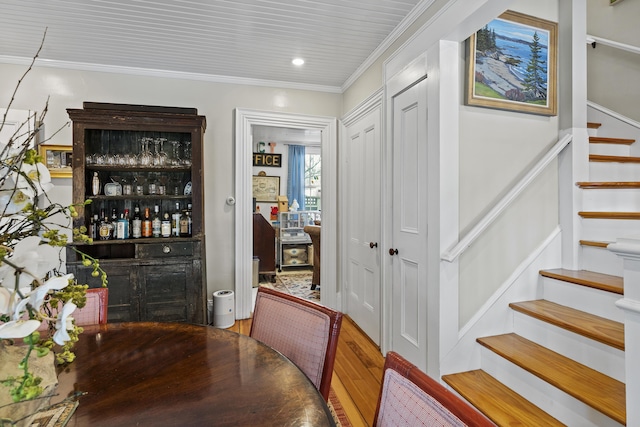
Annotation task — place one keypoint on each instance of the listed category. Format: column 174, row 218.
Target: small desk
column 176, row 374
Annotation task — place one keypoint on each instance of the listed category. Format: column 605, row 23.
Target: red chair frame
column 458, row 407
column 335, row 322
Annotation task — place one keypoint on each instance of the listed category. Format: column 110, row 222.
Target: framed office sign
column 267, row 159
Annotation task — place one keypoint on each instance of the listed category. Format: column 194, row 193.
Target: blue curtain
column 295, row 180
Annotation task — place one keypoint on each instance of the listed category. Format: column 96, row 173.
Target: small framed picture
column 57, row 158
column 266, row 188
column 511, row 65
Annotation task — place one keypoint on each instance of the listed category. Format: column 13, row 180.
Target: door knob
column 373, row 245
column 393, row 252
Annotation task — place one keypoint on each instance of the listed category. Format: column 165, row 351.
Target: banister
column 594, row 40
column 456, row 250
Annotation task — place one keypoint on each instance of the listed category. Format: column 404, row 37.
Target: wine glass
column 160, row 157
column 186, row 154
column 175, row 159
column 145, row 158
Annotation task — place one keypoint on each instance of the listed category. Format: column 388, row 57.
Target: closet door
column 362, row 172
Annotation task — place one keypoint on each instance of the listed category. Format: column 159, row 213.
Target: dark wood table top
column 176, row 374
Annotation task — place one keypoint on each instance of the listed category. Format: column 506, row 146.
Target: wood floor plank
column 588, row 325
column 498, row 402
column 591, row 387
column 605, row 282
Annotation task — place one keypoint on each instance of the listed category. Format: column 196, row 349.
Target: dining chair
column 409, row 397
column 95, row 310
column 302, row 330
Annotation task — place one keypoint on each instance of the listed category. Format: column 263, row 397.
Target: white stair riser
column 612, row 127
column 601, row 260
column 614, row 171
column 556, row 403
column 609, row 149
column 583, row 298
column 608, row 230
column 598, row 356
column 611, row 199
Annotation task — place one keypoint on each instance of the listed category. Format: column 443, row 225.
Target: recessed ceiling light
column 297, row 61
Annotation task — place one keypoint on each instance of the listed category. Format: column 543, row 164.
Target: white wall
column 613, row 74
column 496, row 149
column 69, row 88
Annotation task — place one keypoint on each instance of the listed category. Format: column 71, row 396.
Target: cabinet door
column 164, row 292
column 123, row 294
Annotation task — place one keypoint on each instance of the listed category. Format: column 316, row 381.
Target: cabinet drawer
column 166, row 249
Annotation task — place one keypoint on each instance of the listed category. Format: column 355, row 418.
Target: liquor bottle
column 156, row 222
column 175, row 221
column 136, row 223
column 105, row 228
column 95, row 184
column 186, row 222
column 93, row 227
column 147, row 226
column 122, row 227
column 114, row 218
column 165, row 225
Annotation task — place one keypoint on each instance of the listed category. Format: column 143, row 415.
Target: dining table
column 179, row 374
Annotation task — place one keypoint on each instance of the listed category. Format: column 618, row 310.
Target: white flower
column 9, row 299
column 31, row 255
column 39, row 175
column 36, row 298
column 18, row 328
column 64, row 322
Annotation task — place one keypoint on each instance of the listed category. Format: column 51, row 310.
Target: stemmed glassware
column 175, row 159
column 186, row 154
column 160, row 158
column 145, row 156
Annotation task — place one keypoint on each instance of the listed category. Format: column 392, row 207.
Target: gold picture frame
column 58, row 159
column 266, row 188
column 512, row 65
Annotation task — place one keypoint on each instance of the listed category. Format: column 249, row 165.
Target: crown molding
column 147, row 72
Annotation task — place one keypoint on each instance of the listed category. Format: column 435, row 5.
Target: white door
column 363, row 224
column 409, row 225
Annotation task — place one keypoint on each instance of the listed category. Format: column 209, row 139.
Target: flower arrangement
column 37, row 298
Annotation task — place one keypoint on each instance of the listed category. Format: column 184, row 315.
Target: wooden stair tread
column 605, row 282
column 589, row 386
column 593, row 125
column 607, row 140
column 617, row 159
column 498, row 402
column 595, row 243
column 597, row 328
column 619, row 184
column 609, row 215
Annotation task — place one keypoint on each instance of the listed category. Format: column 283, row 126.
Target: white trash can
column 223, row 309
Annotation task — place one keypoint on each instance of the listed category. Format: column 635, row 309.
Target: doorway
column 246, row 122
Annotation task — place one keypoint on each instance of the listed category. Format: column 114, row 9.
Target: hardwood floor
column 357, row 372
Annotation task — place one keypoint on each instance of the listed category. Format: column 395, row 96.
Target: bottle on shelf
column 95, row 184
column 156, row 222
column 93, row 227
column 122, row 227
column 165, row 225
column 136, row 223
column 175, row 221
column 105, row 227
column 147, row 226
column 186, row 222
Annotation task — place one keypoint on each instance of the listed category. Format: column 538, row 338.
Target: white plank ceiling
column 238, row 40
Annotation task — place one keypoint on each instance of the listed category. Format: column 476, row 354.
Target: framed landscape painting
column 511, row 65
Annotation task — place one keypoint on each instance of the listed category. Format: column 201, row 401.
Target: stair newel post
column 629, row 250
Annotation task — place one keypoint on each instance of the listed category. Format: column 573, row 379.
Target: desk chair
column 305, row 332
column 409, row 397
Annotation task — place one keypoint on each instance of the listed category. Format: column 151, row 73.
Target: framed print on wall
column 57, row 158
column 266, row 188
column 511, row 65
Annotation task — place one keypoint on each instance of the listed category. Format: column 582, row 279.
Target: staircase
column 564, row 362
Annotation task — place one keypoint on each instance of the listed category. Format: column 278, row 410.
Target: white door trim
column 244, row 120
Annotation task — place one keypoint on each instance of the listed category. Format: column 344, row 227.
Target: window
column 312, row 172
